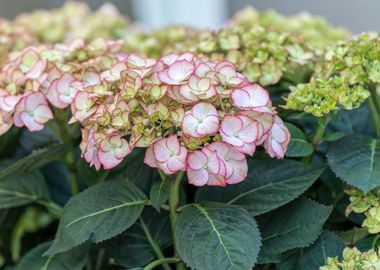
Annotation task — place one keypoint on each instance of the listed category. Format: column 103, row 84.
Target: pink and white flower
column 198, row 89
column 89, row 148
column 201, row 121
column 250, row 97
column 204, row 167
column 82, row 107
column 278, row 139
column 112, row 150
column 241, row 132
column 234, row 161
column 63, row 90
column 167, row 154
column 8, row 102
column 177, row 73
column 227, row 74
column 33, row 112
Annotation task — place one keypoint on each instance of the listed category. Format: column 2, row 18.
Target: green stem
column 155, row 246
column 374, row 243
column 173, row 205
column 375, row 97
column 375, row 115
column 53, row 207
column 62, row 123
column 159, row 262
column 318, row 136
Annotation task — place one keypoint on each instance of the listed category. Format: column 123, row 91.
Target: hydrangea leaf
column 22, row 189
column 270, row 184
column 295, row 225
column 97, row 214
column 217, row 236
column 298, row 145
column 75, row 259
column 133, row 247
column 356, row 160
column 34, row 161
column 311, row 258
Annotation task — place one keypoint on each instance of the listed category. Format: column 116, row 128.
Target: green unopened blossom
column 369, row 204
column 321, row 97
column 372, row 220
column 316, row 30
column 354, row 259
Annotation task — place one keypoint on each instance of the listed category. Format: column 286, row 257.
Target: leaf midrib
column 106, row 210
column 204, row 212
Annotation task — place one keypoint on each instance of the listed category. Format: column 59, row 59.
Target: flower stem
column 318, row 136
column 375, row 115
column 375, row 97
column 173, row 205
column 155, row 246
column 159, row 262
column 62, row 123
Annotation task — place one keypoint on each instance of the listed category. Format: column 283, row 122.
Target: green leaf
column 97, row 214
column 311, row 258
column 295, row 225
column 34, row 161
column 3, row 215
column 23, row 189
column 217, row 236
column 133, row 247
column 356, row 160
column 159, row 193
column 75, row 259
column 333, row 136
column 269, row 185
column 298, row 145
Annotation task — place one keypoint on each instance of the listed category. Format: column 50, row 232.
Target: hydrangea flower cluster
column 350, row 71
column 191, row 113
column 354, row 259
column 74, row 20
column 316, row 30
column 323, row 96
column 13, row 37
column 369, row 204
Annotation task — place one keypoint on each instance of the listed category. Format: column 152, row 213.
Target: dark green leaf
column 295, row 225
column 298, row 145
column 333, row 136
column 133, row 248
column 270, row 184
column 311, row 258
column 356, row 160
column 34, row 161
column 97, row 214
column 72, row 260
column 219, row 236
column 19, row 190
column 3, row 215
column 159, row 193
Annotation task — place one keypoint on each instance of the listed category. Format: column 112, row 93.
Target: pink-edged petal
column 240, row 172
column 203, row 109
column 197, row 177
column 189, row 125
column 34, row 100
column 30, row 123
column 250, row 96
column 42, row 114
column 108, row 159
column 149, row 158
column 247, row 148
column 231, row 125
column 53, row 96
column 209, row 126
column 216, row 180
column 172, row 144
column 197, row 160
column 180, row 70
column 160, row 150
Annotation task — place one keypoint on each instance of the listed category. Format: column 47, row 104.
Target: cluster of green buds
column 354, row 259
column 321, row 97
column 74, row 20
column 351, row 70
column 316, row 30
column 369, row 204
column 262, row 55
